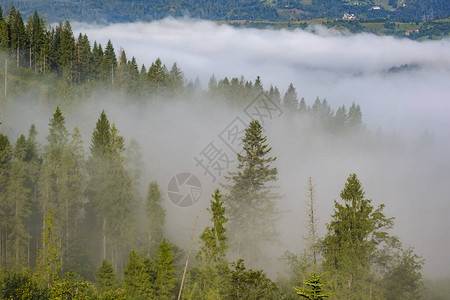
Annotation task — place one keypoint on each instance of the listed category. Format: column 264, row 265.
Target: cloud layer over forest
column 337, row 66
column 402, row 87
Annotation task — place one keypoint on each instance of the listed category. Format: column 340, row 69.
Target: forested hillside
column 131, row 10
column 75, row 224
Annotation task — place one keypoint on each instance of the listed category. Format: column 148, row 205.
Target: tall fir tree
column 290, row 100
column 165, row 272
column 113, row 205
column 5, row 212
column 251, row 201
column 20, row 202
column 212, row 267
column 353, row 235
column 48, row 266
column 156, row 216
column 105, row 277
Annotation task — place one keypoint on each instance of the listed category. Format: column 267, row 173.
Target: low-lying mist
column 402, row 87
column 401, row 84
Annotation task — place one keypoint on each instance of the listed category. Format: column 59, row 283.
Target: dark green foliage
column 113, row 205
column 251, row 205
column 20, row 285
column 58, row 132
column 212, row 269
column 72, row 287
column 128, row 11
column 48, row 266
column 151, row 279
column 250, row 284
column 164, row 283
column 404, row 277
column 350, row 248
column 105, row 277
column 214, row 238
column 136, row 275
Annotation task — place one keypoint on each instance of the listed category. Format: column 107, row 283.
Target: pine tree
column 49, row 261
column 66, row 52
column 249, row 284
column 155, row 216
column 61, row 182
column 20, row 204
column 75, row 186
column 58, row 133
column 316, row 284
column 97, row 61
column 176, row 79
column 258, row 86
column 83, row 61
column 17, row 34
column 157, row 77
column 404, row 279
column 165, row 272
column 212, row 266
column 112, row 204
column 349, row 247
column 33, row 169
column 354, row 117
column 340, row 118
column 290, row 100
column 132, row 277
column 5, row 213
column 274, row 94
column 302, row 108
column 105, row 277
column 109, row 67
column 250, row 203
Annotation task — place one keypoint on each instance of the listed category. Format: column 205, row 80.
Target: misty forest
column 303, row 205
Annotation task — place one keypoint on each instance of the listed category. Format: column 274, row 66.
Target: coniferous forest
column 79, row 219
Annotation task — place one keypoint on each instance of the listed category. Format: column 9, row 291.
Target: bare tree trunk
column 6, row 79
column 104, row 237
column 67, row 229
column 312, row 219
column 28, row 252
column 187, row 259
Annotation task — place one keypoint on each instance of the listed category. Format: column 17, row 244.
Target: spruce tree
column 133, row 274
column 349, row 247
column 176, row 79
column 155, row 216
column 20, row 204
column 165, row 272
column 251, row 202
column 157, row 77
column 49, row 262
column 274, row 94
column 62, row 183
column 246, row 284
column 290, row 100
column 315, row 290
column 112, row 204
column 5, row 212
column 105, row 277
column 212, row 267
column 354, row 117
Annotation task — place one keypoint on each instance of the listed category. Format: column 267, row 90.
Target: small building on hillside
column 349, row 17
column 409, row 31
